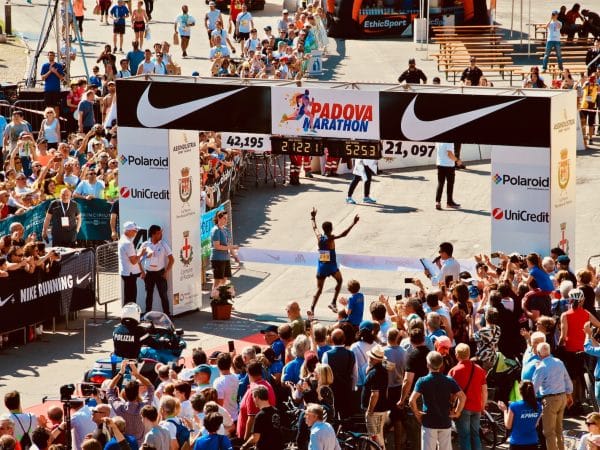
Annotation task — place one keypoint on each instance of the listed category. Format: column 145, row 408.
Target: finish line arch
column 532, row 131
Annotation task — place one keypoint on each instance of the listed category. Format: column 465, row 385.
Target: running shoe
column 369, row 200
column 350, row 201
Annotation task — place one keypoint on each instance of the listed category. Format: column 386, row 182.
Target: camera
column 67, row 391
column 495, row 255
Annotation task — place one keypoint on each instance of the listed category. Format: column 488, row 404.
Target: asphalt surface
column 403, row 223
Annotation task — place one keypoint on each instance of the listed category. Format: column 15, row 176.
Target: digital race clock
column 282, row 145
column 340, row 148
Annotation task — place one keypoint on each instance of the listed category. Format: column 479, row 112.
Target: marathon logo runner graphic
column 533, row 183
column 520, row 216
column 325, row 113
column 151, row 163
column 146, row 193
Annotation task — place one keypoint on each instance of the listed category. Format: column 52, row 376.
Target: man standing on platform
column 66, row 221
column 412, row 75
column 129, row 262
column 158, row 262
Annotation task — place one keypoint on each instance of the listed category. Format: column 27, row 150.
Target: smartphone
column 407, row 292
column 231, row 346
column 495, row 255
column 409, row 280
column 398, row 297
column 448, row 280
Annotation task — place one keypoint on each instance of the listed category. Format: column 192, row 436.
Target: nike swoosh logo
column 81, row 280
column 152, row 117
column 416, row 129
column 7, row 299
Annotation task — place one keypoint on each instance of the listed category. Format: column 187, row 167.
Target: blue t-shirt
column 356, row 305
column 278, row 348
column 135, row 57
column 87, row 108
column 222, row 236
column 542, row 279
column 291, row 371
column 524, row 423
column 213, row 442
column 95, row 81
column 436, row 389
column 52, row 83
column 321, row 351
column 119, row 13
column 112, row 444
column 3, row 124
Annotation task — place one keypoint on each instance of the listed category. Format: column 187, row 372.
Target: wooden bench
column 489, row 61
column 502, row 71
column 467, row 39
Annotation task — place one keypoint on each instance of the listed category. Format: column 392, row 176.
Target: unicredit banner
column 190, row 106
column 477, row 119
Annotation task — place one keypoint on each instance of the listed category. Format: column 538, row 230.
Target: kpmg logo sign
column 520, row 215
column 143, row 161
column 532, row 183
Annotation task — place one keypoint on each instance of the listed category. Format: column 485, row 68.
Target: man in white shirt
column 158, row 261
column 81, row 423
column 446, row 163
column 449, row 267
column 129, row 262
column 227, row 386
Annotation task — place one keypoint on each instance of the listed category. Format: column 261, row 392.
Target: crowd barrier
column 95, row 220
column 69, row 286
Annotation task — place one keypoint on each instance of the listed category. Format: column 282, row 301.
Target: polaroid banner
column 520, row 199
column 185, row 177
column 334, row 113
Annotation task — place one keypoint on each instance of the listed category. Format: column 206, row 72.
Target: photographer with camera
column 130, row 404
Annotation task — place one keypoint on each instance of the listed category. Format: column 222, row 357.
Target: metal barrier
column 33, row 112
column 108, row 280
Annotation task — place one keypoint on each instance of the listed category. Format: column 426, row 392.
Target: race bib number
column 324, row 256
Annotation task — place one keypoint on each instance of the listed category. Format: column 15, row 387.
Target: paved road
column 346, row 58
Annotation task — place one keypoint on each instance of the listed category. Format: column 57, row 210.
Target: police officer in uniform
column 412, row 75
column 158, row 261
column 128, row 336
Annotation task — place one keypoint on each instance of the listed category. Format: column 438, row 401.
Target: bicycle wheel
column 488, row 431
column 360, row 443
column 497, row 416
column 588, row 378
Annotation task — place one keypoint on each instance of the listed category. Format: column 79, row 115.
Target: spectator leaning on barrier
column 65, row 219
column 412, row 74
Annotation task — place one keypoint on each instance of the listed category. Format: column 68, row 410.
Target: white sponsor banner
column 520, row 199
column 563, row 141
column 257, row 143
column 336, row 113
column 144, row 187
column 184, row 171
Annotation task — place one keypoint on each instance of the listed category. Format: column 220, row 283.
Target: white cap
column 130, row 226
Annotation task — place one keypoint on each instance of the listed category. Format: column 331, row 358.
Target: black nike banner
column 465, row 118
column 70, row 285
column 194, row 106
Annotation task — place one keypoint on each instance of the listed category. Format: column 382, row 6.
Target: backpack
column 182, row 434
column 25, row 440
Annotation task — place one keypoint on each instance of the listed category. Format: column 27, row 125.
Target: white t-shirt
column 227, row 389
column 126, row 249
column 28, row 424
column 158, row 259
column 450, row 267
column 442, row 158
column 187, row 412
column 554, row 31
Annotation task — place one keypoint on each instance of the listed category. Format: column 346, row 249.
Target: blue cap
column 203, row 368
column 195, row 73
column 473, row 292
column 366, row 325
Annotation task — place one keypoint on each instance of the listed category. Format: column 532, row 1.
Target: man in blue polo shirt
column 52, row 73
column 439, row 393
column 119, row 13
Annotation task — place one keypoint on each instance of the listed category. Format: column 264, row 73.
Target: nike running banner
column 69, row 286
column 190, row 106
column 476, row 119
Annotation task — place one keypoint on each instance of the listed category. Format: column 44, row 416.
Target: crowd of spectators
column 407, row 368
